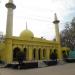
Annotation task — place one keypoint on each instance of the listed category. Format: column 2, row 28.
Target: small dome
column 26, row 34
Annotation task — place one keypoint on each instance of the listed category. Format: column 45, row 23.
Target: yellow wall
column 10, row 44
column 8, row 50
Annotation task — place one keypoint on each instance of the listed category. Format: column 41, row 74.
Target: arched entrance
column 25, row 53
column 50, row 52
column 64, row 54
column 34, row 54
column 55, row 52
column 15, row 52
column 44, row 53
column 53, row 55
column 39, row 53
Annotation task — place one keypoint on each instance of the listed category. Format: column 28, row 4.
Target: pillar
column 30, row 56
column 9, row 29
column 56, row 22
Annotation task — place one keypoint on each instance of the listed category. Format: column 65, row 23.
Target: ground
column 65, row 69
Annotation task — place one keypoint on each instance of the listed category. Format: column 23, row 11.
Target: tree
column 68, row 35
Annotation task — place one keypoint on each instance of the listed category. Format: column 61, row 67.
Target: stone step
column 41, row 64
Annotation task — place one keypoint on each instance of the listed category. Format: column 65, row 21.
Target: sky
column 39, row 15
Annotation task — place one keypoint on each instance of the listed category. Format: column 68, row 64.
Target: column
column 30, row 56
column 36, row 56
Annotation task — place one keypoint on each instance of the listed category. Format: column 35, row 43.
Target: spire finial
column 55, row 16
column 26, row 25
column 55, row 19
column 11, row 1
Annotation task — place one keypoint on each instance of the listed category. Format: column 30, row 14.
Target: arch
column 44, row 52
column 64, row 54
column 39, row 53
column 19, row 46
column 15, row 51
column 50, row 52
column 56, row 53
column 53, row 55
column 68, row 52
column 25, row 53
column 34, row 53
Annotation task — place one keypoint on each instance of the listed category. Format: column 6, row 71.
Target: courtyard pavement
column 65, row 69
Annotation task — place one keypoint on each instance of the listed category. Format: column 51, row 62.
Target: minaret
column 56, row 22
column 9, row 27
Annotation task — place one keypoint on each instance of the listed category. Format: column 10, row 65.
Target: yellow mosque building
column 35, row 49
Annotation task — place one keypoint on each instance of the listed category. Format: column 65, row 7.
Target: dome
column 26, row 34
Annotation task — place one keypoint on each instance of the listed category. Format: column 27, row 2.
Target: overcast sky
column 39, row 15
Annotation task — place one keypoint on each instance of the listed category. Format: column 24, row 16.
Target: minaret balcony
column 10, row 5
column 56, row 21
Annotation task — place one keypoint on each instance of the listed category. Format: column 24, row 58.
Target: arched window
column 15, row 52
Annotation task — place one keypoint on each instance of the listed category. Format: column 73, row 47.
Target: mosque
column 35, row 49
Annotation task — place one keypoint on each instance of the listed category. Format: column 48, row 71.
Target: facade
column 35, row 49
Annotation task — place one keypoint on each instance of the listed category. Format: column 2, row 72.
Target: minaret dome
column 56, row 21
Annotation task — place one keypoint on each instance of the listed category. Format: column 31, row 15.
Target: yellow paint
column 30, row 54
column 6, row 52
column 28, row 41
